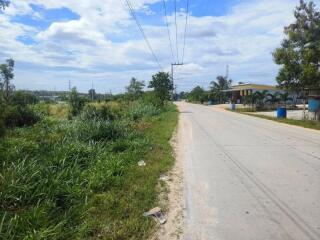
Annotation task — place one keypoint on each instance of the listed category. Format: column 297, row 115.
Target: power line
column 169, row 34
column 175, row 19
column 143, row 33
column 185, row 31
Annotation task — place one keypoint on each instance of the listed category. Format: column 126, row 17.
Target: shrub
column 2, row 128
column 143, row 109
column 103, row 113
column 151, row 98
column 95, row 130
column 76, row 102
column 23, row 98
column 18, row 116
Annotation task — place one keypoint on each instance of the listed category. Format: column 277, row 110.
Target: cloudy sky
column 54, row 41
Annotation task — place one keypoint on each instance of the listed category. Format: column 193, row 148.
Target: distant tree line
column 215, row 94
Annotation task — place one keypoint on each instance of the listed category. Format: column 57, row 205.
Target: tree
column 260, row 97
column 218, row 86
column 284, row 98
column 197, row 94
column 76, row 102
column 135, row 89
column 183, row 95
column 299, row 54
column 249, row 99
column 6, row 75
column 4, row 4
column 273, row 98
column 163, row 86
column 22, row 98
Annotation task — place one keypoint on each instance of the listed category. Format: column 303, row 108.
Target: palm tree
column 285, row 97
column 260, row 97
column 217, row 87
column 273, row 98
column 249, row 99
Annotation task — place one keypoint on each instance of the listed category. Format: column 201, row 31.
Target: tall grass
column 63, row 179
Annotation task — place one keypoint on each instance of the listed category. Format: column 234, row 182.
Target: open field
column 79, row 178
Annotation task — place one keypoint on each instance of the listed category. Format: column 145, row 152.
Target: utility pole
column 172, row 73
column 92, row 90
column 69, row 86
column 227, row 72
column 172, row 70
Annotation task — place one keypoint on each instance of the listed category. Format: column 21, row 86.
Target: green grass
column 79, row 179
column 301, row 123
column 244, row 110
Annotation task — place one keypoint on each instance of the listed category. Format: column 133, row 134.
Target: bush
column 2, row 128
column 18, row 116
column 76, row 102
column 152, row 98
column 103, row 113
column 23, row 98
column 143, row 109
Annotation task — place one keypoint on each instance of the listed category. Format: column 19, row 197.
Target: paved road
column 248, row 178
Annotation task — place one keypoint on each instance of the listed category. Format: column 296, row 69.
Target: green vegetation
column 14, row 106
column 198, row 95
column 163, row 87
column 299, row 54
column 6, row 76
column 264, row 101
column 79, row 178
column 216, row 93
column 217, row 87
column 23, row 98
column 70, row 171
column 19, row 116
column 302, row 123
column 135, row 89
column 244, row 110
column 76, row 103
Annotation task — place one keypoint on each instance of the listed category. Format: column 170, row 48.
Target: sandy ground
column 171, row 198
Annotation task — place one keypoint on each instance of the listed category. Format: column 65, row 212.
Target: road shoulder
column 171, row 197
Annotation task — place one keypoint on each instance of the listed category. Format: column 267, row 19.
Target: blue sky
column 57, row 41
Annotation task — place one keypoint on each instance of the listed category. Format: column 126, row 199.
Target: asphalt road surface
column 248, row 178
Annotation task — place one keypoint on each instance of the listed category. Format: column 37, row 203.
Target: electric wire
column 175, row 19
column 168, row 29
column 185, row 32
column 143, row 33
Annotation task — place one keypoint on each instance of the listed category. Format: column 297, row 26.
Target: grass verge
column 79, row 178
column 301, row 123
column 123, row 218
column 244, row 110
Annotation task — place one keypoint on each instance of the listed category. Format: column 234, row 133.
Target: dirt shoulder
column 171, row 198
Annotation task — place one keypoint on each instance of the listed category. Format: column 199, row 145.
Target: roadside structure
column 238, row 92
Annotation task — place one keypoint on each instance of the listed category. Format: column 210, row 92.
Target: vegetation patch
column 244, row 110
column 79, row 178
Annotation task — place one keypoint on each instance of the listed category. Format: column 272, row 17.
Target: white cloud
column 244, row 38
